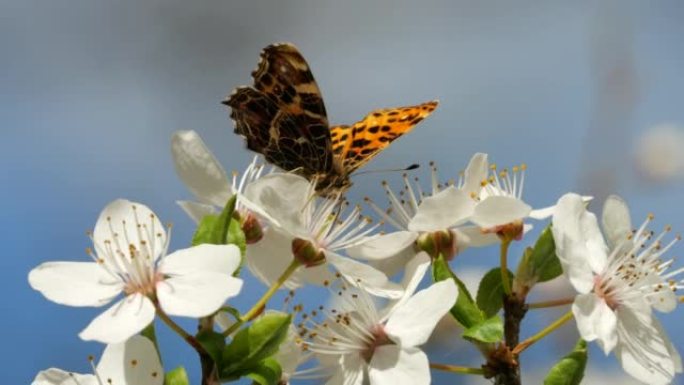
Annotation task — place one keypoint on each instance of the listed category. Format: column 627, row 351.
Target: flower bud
column 510, row 231
column 306, row 253
column 438, row 242
column 252, row 228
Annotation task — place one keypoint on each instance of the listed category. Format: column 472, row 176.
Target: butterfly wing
column 355, row 145
column 282, row 116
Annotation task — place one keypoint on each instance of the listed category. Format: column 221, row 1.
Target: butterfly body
column 283, row 117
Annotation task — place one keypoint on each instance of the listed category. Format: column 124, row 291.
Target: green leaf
column 205, row 230
column 544, row 259
column 465, row 311
column 490, row 294
column 540, row 263
column 177, row 376
column 236, row 236
column 570, row 369
column 213, row 343
column 254, row 343
column 213, row 229
column 267, row 372
column 489, row 331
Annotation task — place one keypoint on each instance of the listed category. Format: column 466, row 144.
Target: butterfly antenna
column 409, row 168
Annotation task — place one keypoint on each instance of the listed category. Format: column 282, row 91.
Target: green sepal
column 489, row 331
column 236, row 236
column 490, row 293
column 177, row 376
column 465, row 311
column 539, row 263
column 266, row 372
column 213, row 229
column 254, row 343
column 570, row 369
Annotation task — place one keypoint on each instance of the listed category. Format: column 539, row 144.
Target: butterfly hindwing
column 283, row 116
column 355, row 145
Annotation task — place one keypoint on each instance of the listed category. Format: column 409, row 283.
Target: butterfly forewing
column 283, row 116
column 355, row 145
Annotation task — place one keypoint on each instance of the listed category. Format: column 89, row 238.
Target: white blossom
column 130, row 257
column 414, row 212
column 298, row 217
column 133, row 362
column 620, row 281
column 204, row 176
column 382, row 344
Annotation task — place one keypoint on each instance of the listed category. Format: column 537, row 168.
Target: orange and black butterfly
column 282, row 116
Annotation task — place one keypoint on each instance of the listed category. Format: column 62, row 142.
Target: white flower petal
column 196, row 294
column 394, row 365
column 475, row 173
column 499, row 210
column 547, row 212
column 54, row 376
column 268, row 258
column 370, row 279
column 473, row 236
column 132, row 362
column 118, row 323
column 664, row 300
column 542, row 213
column 447, row 208
column 350, row 371
column 315, row 275
column 280, row 199
column 572, row 258
column 595, row 321
column 413, row 322
column 643, row 349
column 118, row 225
column 383, row 246
column 579, row 243
column 205, row 257
column 616, row 221
column 290, row 353
column 196, row 211
column 393, row 265
column 671, row 349
column 413, row 275
column 75, row 283
column 199, row 170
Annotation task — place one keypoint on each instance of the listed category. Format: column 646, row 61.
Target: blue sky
column 93, row 90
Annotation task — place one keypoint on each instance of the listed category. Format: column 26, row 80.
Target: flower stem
column 457, row 369
column 505, row 281
column 259, row 306
column 179, row 330
column 552, row 303
column 546, row 331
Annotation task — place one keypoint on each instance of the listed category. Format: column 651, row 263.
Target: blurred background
column 588, row 94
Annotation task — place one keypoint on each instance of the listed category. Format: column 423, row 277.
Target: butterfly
column 282, row 117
